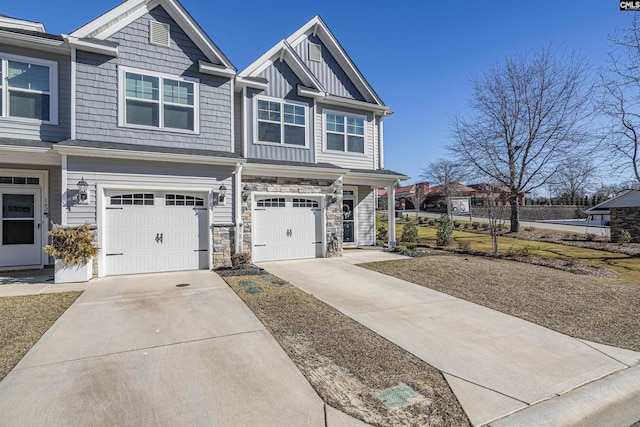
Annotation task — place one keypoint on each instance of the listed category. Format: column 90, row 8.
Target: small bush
column 590, row 237
column 73, row 245
column 518, row 252
column 411, row 246
column 475, row 225
column 624, row 237
column 465, row 245
column 571, row 261
column 431, row 222
column 528, row 229
column 409, row 233
column 466, row 225
column 240, row 260
column 485, row 226
column 382, row 234
column 401, row 249
column 444, row 235
column 421, row 220
column 456, row 224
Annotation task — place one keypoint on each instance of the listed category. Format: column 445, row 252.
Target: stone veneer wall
column 625, row 219
column 223, row 242
column 299, row 186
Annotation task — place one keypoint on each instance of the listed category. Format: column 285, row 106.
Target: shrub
column 401, row 249
column 431, row 222
column 240, row 260
column 465, row 245
column 444, row 235
column 72, row 245
column 590, row 237
column 456, row 224
column 382, row 234
column 485, row 226
column 411, row 246
column 421, row 220
column 571, row 261
column 624, row 237
column 528, row 229
column 409, row 233
column 523, row 251
column 475, row 225
column 466, row 225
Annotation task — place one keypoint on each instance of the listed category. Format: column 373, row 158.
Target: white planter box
column 72, row 273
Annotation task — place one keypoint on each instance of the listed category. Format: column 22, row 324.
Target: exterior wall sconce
column 82, row 196
column 222, row 193
column 245, row 193
column 334, row 196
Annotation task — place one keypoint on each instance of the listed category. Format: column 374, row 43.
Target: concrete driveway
column 144, row 350
column 496, row 364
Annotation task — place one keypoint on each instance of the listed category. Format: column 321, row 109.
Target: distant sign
column 630, row 5
column 461, row 205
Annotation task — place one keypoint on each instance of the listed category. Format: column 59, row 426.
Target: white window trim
column 282, row 123
column 53, row 88
column 122, row 100
column 343, row 113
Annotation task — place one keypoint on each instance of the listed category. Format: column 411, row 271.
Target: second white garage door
column 152, row 232
column 286, row 228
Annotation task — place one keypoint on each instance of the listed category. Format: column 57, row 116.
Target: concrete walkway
column 496, row 364
column 143, row 351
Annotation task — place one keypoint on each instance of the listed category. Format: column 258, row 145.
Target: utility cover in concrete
column 396, row 397
column 247, row 283
column 253, row 290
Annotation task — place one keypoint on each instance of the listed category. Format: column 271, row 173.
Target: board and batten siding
column 113, row 173
column 328, row 71
column 283, row 84
column 344, row 159
column 366, row 216
column 238, row 132
column 97, row 89
column 26, row 129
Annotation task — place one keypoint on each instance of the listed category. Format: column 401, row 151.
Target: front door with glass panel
column 348, row 221
column 20, row 237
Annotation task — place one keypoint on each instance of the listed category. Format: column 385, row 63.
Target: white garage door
column 152, row 232
column 286, row 228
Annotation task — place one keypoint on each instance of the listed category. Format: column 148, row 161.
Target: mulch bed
column 346, row 363
column 24, row 319
column 598, row 309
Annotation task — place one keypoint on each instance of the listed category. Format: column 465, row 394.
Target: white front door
column 286, row 228
column 20, row 227
column 155, row 231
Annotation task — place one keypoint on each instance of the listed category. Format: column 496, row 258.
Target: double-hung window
column 281, row 122
column 158, row 101
column 345, row 132
column 28, row 88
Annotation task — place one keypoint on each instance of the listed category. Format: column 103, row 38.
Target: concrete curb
column 612, row 401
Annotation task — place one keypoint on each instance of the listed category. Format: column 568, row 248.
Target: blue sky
column 418, row 55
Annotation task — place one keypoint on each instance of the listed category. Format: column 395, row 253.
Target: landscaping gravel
column 598, row 309
column 24, row 319
column 346, row 363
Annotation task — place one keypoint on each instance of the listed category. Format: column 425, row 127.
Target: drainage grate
column 246, row 283
column 282, row 283
column 183, row 285
column 253, row 290
column 270, row 278
column 397, row 397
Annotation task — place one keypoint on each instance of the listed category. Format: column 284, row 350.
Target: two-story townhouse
column 312, row 134
column 130, row 129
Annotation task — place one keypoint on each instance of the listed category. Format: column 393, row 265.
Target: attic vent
column 315, row 52
column 159, row 33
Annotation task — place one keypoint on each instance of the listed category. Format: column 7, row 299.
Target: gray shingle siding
column 44, row 132
column 328, row 72
column 283, row 84
column 97, row 88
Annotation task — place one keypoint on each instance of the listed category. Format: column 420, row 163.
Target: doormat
column 246, row 283
column 253, row 290
column 397, row 397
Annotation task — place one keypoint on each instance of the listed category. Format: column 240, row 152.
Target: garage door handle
column 159, row 238
column 289, row 233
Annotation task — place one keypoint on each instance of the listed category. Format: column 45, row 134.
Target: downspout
column 381, row 142
column 73, row 93
column 237, row 197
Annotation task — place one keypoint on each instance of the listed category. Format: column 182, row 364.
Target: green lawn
column 628, row 267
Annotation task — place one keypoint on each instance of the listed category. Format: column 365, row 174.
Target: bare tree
column 573, row 179
column 621, row 100
column 529, row 113
column 418, row 197
column 445, row 173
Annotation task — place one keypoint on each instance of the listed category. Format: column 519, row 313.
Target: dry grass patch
column 598, row 309
column 24, row 319
column 347, row 363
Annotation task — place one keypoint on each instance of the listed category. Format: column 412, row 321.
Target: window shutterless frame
column 166, row 95
column 291, row 117
column 344, row 132
column 27, row 88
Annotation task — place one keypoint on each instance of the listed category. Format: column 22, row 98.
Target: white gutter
column 216, row 70
column 237, row 196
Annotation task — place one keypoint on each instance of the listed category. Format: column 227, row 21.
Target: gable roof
column 318, row 27
column 124, row 14
column 282, row 51
column 626, row 199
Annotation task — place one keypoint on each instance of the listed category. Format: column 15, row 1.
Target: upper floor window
column 153, row 100
column 28, row 88
column 281, row 122
column 345, row 132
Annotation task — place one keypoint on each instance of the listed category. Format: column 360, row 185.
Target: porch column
column 391, row 207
